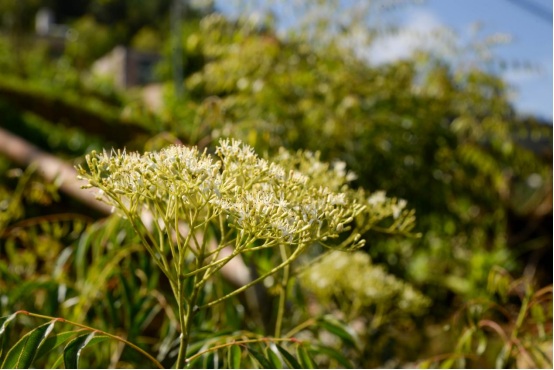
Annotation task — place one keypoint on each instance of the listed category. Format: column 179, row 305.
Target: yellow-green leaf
column 234, row 357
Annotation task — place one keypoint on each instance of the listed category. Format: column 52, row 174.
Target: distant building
column 127, row 67
column 46, row 27
column 44, row 21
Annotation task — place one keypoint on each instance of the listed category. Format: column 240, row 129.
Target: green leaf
column 340, row 329
column 289, row 359
column 260, row 358
column 4, row 321
column 425, row 364
column 209, row 360
column 306, row 360
column 54, row 341
column 502, row 357
column 334, row 354
column 481, row 344
column 234, row 357
column 542, row 355
column 447, row 364
column 58, row 362
column 23, row 353
column 72, row 352
column 273, row 358
column 197, row 362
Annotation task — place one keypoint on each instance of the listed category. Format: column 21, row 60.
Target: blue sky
column 531, row 40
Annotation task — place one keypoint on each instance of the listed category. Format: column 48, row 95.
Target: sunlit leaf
column 234, row 357
column 72, row 352
column 260, row 358
column 542, row 355
column 274, row 359
column 332, row 353
column 4, row 321
column 23, row 353
column 289, row 359
column 502, row 357
column 54, row 341
column 447, row 364
column 425, row 365
column 340, row 329
column 306, row 360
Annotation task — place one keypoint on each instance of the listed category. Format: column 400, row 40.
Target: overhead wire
column 538, row 11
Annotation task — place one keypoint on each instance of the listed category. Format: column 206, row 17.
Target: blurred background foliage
column 437, row 131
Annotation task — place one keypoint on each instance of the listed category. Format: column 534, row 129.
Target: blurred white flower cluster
column 352, row 279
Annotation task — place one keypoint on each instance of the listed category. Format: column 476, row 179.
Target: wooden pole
column 51, row 168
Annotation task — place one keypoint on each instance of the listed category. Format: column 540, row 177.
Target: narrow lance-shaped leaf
column 23, row 353
column 234, row 357
column 72, row 352
column 502, row 357
column 260, row 358
column 54, row 341
column 334, row 354
column 96, row 339
column 273, row 358
column 547, row 362
column 289, row 359
column 340, row 329
column 209, row 360
column 4, row 321
column 305, row 359
column 425, row 364
column 447, row 364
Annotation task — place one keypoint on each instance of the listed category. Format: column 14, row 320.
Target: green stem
column 186, row 318
column 300, row 327
column 145, row 242
column 282, row 293
column 299, row 249
column 186, row 325
column 182, row 321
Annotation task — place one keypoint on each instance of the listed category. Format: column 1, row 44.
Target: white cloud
column 519, row 76
column 416, row 34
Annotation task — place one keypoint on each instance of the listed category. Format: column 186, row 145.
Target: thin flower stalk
column 187, row 206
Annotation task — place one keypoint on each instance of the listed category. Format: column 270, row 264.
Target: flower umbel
column 260, row 200
column 187, row 206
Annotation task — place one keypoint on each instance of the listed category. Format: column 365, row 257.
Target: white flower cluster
column 386, row 207
column 379, row 212
column 262, row 200
column 352, row 276
column 188, row 206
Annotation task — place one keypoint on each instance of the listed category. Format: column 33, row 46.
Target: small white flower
column 377, row 198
